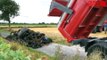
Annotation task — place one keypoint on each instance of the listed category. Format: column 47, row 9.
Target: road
column 63, row 50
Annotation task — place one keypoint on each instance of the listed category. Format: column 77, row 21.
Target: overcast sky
column 34, row 11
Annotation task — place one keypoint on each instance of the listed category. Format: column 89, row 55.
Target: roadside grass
column 3, row 30
column 57, row 38
column 32, row 53
column 6, row 53
column 95, row 56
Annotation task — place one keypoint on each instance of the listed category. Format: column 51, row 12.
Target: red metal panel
column 63, row 2
column 55, row 11
column 99, row 3
column 85, row 17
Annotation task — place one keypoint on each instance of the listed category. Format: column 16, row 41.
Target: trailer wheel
column 98, row 48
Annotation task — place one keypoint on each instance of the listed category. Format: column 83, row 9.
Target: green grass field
column 28, row 25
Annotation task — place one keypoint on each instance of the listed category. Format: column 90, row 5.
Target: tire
column 98, row 47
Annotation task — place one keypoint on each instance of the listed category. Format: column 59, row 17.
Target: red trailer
column 78, row 19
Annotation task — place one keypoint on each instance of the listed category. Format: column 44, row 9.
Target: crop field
column 55, row 32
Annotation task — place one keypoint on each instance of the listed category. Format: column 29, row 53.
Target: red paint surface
column 86, row 15
column 55, row 11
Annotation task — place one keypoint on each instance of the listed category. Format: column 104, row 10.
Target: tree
column 9, row 9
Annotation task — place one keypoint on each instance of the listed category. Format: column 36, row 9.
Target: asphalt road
column 4, row 34
column 53, row 49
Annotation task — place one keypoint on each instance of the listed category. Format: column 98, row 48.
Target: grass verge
column 32, row 53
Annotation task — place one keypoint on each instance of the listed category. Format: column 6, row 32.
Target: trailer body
column 78, row 17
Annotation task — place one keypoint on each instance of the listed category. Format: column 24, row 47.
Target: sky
column 34, row 11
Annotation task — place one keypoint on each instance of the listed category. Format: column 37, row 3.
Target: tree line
column 15, row 23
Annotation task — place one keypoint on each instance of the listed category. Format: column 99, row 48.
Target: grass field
column 28, row 25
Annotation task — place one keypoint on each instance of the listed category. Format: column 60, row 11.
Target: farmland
column 28, row 25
